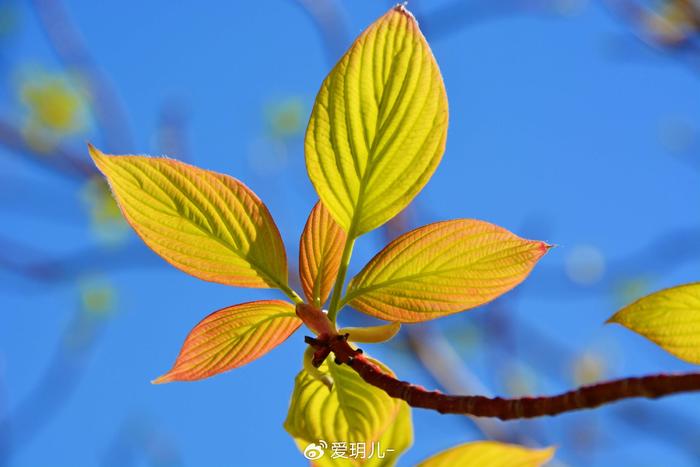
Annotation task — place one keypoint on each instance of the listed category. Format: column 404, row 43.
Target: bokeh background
column 573, row 122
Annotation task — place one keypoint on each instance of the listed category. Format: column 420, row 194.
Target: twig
column 444, row 365
column 586, row 397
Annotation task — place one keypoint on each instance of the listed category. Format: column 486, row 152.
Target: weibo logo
column 315, row 451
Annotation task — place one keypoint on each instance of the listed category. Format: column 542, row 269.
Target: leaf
column 398, row 437
column 489, row 454
column 320, row 249
column 207, row 224
column 351, row 412
column 232, row 337
column 442, row 268
column 372, row 334
column 669, row 318
column 379, row 124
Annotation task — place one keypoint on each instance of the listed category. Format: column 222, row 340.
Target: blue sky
column 559, row 129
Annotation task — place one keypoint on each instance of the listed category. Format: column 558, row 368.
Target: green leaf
column 442, row 268
column 669, row 318
column 207, row 224
column 231, row 338
column 351, row 412
column 320, row 249
column 378, row 126
column 489, row 454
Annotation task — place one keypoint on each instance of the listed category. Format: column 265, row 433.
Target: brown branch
column 448, row 370
column 586, row 397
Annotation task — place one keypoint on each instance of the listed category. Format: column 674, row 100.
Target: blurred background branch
column 520, row 358
column 70, row 48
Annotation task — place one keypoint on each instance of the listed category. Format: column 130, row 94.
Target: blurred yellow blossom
column 106, row 220
column 673, row 23
column 285, row 118
column 56, row 107
column 588, row 368
column 629, row 289
column 97, row 295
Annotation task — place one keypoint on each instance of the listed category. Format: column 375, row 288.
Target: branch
column 452, row 17
column 586, row 397
column 71, row 49
column 25, row 262
column 441, row 361
column 54, row 388
column 328, row 18
column 59, row 159
column 636, row 15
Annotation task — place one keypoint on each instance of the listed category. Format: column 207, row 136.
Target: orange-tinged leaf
column 669, row 318
column 205, row 223
column 489, row 454
column 379, row 124
column 442, row 268
column 320, row 249
column 232, row 337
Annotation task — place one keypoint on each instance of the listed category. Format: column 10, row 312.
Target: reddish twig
column 586, row 397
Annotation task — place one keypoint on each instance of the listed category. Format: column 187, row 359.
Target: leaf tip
column 613, row 319
column 166, row 378
column 94, row 152
column 97, row 156
column 541, row 248
column 402, row 9
column 548, row 453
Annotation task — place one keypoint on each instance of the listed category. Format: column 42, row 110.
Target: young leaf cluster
column 376, row 135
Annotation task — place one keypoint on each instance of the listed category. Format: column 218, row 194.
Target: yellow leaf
column 442, row 268
column 378, row 126
column 669, row 318
column 320, row 249
column 372, row 334
column 489, row 454
column 207, row 224
column 398, row 437
column 232, row 337
column 351, row 412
